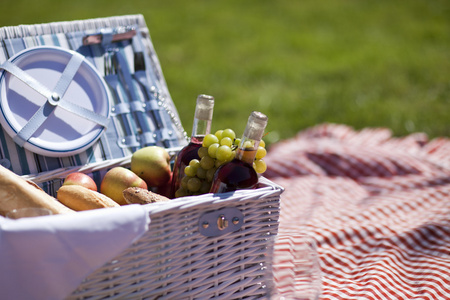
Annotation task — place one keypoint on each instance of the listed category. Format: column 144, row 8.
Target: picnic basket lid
column 141, row 110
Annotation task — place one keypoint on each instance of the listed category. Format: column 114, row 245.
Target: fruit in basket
column 78, row 178
column 152, row 164
column 117, row 180
column 217, row 149
column 165, row 189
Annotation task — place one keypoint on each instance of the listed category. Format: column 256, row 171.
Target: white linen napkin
column 47, row 257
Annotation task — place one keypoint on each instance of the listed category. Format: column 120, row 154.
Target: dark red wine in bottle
column 239, row 173
column 235, row 175
column 201, row 127
column 188, row 153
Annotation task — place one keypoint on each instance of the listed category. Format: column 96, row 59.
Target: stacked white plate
column 63, row 133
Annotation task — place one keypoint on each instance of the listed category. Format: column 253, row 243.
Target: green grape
column 194, row 163
column 206, row 186
column 201, row 173
column 262, row 144
column 226, row 141
column 206, row 162
column 209, row 139
column 233, row 155
column 218, row 163
column 248, row 144
column 190, row 171
column 210, row 174
column 223, row 153
column 219, row 134
column 184, row 181
column 228, row 133
column 260, row 153
column 213, row 149
column 202, row 151
column 217, row 149
column 181, row 192
column 194, row 184
column 260, row 166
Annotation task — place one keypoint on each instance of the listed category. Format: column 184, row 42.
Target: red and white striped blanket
column 378, row 208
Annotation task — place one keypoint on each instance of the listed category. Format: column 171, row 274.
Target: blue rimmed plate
column 63, row 133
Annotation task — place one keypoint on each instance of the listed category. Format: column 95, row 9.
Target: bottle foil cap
column 256, row 125
column 204, row 107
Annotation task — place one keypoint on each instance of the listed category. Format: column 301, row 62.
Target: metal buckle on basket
column 220, row 221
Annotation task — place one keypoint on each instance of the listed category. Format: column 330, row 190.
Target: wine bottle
column 239, row 173
column 201, row 127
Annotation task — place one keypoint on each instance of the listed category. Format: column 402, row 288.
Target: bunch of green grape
column 217, row 149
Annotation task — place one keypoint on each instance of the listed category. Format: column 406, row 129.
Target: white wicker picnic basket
column 208, row 246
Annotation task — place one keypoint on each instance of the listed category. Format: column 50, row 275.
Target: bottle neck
column 252, row 136
column 200, row 128
column 246, row 151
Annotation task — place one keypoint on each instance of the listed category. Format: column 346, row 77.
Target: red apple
column 117, row 180
column 152, row 164
column 78, row 178
column 164, row 189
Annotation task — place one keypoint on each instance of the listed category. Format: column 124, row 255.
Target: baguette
column 80, row 198
column 136, row 195
column 17, row 193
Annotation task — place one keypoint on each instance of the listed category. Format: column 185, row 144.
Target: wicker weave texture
column 174, row 261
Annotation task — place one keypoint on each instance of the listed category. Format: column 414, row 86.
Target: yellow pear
column 152, row 164
column 117, row 180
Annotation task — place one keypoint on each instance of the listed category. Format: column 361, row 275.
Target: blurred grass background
column 355, row 62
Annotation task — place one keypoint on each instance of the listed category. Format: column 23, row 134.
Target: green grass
column 356, row 62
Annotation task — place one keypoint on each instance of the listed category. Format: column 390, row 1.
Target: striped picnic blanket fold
column 377, row 207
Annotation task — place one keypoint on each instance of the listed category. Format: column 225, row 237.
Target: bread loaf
column 17, row 193
column 136, row 195
column 80, row 198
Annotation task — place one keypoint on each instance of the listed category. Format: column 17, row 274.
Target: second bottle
column 202, row 126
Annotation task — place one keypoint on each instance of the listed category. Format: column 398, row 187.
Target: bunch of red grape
column 217, row 149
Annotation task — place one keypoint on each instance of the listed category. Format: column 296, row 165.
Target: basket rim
column 267, row 189
column 61, row 173
column 24, row 30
